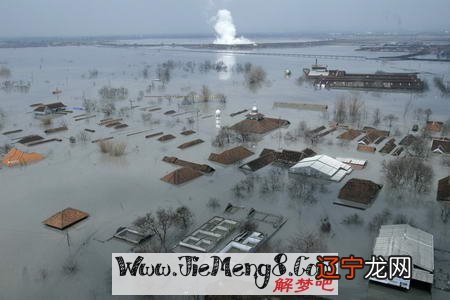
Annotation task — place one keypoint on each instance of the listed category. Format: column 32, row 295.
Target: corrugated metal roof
column 353, row 161
column 404, row 239
column 326, row 165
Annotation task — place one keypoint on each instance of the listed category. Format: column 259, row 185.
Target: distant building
column 322, row 166
column 51, row 108
column 441, row 146
column 404, row 240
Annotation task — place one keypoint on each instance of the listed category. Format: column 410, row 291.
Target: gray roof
column 404, row 239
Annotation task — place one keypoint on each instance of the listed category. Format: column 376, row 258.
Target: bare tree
column 306, row 243
column 205, row 94
column 108, row 107
column 255, row 76
column 355, row 107
column 408, row 173
column 222, row 98
column 159, row 225
column 183, row 217
column 340, row 112
column 376, row 117
column 419, row 147
column 89, row 105
column 390, row 119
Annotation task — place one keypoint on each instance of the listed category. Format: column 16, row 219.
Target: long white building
column 322, row 166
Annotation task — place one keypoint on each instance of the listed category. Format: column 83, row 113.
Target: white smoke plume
column 226, row 31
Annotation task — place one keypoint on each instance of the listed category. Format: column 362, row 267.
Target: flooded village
column 308, row 144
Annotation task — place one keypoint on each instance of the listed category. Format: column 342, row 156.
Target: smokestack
column 226, row 31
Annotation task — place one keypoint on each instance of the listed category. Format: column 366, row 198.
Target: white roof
column 353, row 161
column 324, row 164
column 406, row 240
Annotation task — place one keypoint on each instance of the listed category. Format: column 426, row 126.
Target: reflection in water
column 229, row 61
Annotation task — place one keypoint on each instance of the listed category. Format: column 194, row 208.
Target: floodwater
column 115, row 191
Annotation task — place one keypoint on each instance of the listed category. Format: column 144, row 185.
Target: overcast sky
column 20, row 18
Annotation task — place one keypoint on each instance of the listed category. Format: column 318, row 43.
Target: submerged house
column 257, row 123
column 66, row 218
column 15, row 157
column 401, row 240
column 181, row 176
column 51, row 108
column 358, row 193
column 322, row 166
column 230, row 156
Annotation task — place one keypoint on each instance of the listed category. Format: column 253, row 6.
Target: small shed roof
column 30, row 138
column 190, row 144
column 187, row 132
column 166, row 137
column 66, row 218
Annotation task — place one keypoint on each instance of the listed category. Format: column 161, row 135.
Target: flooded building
column 322, row 77
column 322, row 166
column 239, row 230
column 16, row 157
column 66, row 218
column 181, row 175
column 231, row 156
column 257, row 123
column 401, row 240
column 358, row 193
column 51, row 108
